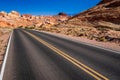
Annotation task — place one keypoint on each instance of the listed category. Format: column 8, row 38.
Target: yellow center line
column 82, row 66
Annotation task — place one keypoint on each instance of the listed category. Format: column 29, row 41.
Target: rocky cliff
column 101, row 22
column 105, row 13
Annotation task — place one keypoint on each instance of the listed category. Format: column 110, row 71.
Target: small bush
column 102, row 39
column 20, row 27
column 29, row 27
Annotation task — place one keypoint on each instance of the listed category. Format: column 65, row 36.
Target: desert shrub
column 20, row 27
column 29, row 27
column 102, row 39
column 26, row 27
column 102, row 29
column 90, row 37
column 117, row 29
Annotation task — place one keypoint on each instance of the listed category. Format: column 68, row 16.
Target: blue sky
column 47, row 7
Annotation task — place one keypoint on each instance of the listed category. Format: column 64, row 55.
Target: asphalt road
column 40, row 56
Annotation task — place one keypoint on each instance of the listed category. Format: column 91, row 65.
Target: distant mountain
column 15, row 19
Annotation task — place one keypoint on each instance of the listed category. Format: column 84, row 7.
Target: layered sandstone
column 102, row 22
column 15, row 19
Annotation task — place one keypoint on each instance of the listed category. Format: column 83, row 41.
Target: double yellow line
column 80, row 65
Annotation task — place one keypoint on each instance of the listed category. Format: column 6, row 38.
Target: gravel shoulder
column 4, row 36
column 3, row 45
column 106, row 45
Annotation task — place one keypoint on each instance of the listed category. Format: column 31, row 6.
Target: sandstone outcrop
column 102, row 22
column 15, row 19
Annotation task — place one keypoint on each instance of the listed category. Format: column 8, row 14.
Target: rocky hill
column 101, row 22
column 105, row 14
column 15, row 19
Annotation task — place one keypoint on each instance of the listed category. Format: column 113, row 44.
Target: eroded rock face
column 14, row 14
column 27, row 16
column 4, row 24
column 3, row 14
column 97, row 23
column 107, row 11
column 14, row 19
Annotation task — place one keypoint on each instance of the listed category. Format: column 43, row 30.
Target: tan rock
column 97, row 23
column 27, row 16
column 3, row 14
column 14, row 14
column 4, row 24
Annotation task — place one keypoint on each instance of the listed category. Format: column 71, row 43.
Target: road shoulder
column 104, row 45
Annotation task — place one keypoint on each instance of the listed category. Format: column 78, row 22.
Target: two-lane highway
column 40, row 56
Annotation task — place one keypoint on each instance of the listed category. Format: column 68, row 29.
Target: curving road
column 36, row 55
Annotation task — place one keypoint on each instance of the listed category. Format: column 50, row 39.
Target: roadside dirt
column 4, row 36
column 108, row 45
column 3, row 45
